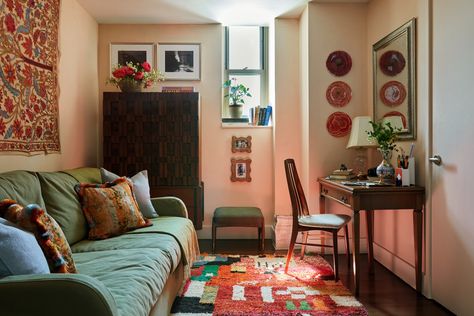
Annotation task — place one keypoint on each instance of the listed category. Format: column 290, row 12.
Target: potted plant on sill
column 133, row 77
column 385, row 135
column 236, row 95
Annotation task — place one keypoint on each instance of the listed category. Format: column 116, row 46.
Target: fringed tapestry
column 29, row 114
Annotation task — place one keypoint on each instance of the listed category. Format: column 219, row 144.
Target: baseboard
column 233, row 232
column 403, row 269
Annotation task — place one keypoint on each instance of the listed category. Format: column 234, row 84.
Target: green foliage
column 237, row 92
column 384, row 134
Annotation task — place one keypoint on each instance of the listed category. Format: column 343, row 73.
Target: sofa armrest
column 78, row 294
column 169, row 206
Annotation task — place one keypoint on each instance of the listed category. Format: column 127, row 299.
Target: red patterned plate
column 392, row 62
column 339, row 63
column 338, row 93
column 339, row 124
column 393, row 93
column 396, row 113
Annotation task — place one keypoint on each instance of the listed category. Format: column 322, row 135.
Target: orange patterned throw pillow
column 110, row 209
column 47, row 232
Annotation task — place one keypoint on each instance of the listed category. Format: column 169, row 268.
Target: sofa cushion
column 63, row 205
column 21, row 186
column 19, row 252
column 134, row 277
column 47, row 232
column 141, row 188
column 110, row 208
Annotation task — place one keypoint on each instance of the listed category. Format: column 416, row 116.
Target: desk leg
column 369, row 215
column 356, row 250
column 322, row 210
column 418, row 231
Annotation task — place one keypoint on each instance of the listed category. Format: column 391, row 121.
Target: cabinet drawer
column 337, row 195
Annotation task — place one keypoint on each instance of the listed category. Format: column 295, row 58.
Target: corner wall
column 78, row 99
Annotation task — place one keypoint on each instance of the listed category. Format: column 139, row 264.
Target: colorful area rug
column 258, row 285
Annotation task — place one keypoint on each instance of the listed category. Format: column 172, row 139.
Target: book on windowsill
column 235, row 120
column 177, row 89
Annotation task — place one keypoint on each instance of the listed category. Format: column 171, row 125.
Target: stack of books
column 260, row 116
column 347, row 174
column 177, row 89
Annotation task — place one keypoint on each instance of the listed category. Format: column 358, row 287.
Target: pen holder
column 406, row 179
column 411, row 169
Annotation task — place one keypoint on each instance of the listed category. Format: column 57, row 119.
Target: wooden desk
column 359, row 198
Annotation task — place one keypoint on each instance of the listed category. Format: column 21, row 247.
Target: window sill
column 243, row 125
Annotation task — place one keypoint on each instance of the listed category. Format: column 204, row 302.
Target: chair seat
column 335, row 221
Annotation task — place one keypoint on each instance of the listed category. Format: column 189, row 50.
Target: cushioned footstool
column 239, row 217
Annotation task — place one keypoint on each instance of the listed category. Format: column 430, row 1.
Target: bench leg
column 261, row 238
column 213, row 238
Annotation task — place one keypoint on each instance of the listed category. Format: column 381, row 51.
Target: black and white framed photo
column 180, row 61
column 135, row 53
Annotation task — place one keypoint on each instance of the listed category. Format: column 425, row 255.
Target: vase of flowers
column 385, row 135
column 236, row 95
column 134, row 77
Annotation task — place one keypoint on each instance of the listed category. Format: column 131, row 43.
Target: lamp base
column 360, row 163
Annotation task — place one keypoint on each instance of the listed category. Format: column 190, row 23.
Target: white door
column 453, row 139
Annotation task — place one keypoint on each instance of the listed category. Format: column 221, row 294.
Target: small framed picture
column 135, row 53
column 241, row 144
column 240, row 170
column 180, row 61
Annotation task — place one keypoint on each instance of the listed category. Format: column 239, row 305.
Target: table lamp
column 359, row 139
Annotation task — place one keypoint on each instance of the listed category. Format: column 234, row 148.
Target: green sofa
column 138, row 273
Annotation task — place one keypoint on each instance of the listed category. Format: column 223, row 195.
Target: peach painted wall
column 287, row 138
column 393, row 234
column 78, row 34
column 216, row 141
column 333, row 27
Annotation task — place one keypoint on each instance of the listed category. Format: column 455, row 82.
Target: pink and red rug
column 258, row 285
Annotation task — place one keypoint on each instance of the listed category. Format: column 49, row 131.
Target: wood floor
column 383, row 293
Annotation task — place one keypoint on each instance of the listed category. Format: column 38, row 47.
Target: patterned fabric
column 110, row 208
column 258, row 285
column 29, row 76
column 47, row 232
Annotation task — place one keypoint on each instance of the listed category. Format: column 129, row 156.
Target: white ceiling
column 227, row 12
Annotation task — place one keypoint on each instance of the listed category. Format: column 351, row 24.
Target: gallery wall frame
column 180, row 61
column 240, row 170
column 394, row 78
column 120, row 53
column 241, row 144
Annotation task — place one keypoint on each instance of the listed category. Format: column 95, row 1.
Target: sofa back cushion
column 21, row 186
column 63, row 205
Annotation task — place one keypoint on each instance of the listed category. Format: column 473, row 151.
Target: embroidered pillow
column 141, row 188
column 110, row 209
column 47, row 232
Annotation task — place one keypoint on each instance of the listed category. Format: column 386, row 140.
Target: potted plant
column 385, row 135
column 236, row 95
column 133, row 77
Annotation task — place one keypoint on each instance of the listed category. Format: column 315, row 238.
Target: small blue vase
column 385, row 170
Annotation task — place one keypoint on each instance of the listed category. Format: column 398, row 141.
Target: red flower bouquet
column 133, row 77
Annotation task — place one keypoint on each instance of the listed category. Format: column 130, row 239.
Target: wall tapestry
column 29, row 76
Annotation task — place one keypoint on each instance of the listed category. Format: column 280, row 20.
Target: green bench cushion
column 238, row 216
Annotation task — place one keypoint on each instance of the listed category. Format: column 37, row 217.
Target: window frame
column 262, row 72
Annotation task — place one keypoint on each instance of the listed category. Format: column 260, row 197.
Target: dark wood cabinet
column 158, row 132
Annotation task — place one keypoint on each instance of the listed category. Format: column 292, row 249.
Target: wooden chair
column 305, row 222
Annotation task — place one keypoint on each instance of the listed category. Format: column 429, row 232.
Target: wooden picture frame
column 240, row 170
column 180, row 61
column 120, row 53
column 394, row 75
column 241, row 144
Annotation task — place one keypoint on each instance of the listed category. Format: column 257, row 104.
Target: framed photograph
column 135, row 53
column 240, row 170
column 180, row 61
column 394, row 75
column 241, row 144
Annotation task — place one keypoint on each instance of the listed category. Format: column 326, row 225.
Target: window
column 246, row 61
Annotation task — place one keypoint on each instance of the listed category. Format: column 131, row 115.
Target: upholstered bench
column 239, row 217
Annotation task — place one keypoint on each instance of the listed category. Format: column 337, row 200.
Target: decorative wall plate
column 339, row 124
column 339, row 94
column 393, row 93
column 392, row 62
column 396, row 113
column 339, row 63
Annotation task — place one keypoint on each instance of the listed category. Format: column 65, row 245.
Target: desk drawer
column 341, row 197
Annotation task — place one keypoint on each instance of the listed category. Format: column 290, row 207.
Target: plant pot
column 235, row 110
column 130, row 86
column 385, row 170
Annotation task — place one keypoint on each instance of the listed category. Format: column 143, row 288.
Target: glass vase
column 385, row 170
